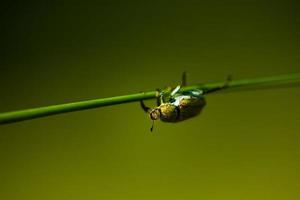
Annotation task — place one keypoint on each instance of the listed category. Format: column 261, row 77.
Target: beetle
column 175, row 106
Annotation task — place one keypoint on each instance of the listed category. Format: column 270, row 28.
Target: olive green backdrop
column 245, row 145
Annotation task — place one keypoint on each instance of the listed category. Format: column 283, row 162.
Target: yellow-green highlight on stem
column 21, row 115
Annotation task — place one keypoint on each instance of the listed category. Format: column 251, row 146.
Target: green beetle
column 175, row 106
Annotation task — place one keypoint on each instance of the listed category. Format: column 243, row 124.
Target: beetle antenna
column 151, row 129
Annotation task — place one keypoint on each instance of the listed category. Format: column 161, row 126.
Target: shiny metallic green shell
column 182, row 106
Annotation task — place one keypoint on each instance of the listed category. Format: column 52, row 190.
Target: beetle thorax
column 168, row 112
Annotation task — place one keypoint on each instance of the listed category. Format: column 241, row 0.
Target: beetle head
column 155, row 114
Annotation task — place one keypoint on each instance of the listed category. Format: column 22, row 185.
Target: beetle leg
column 229, row 78
column 158, row 97
column 144, row 107
column 175, row 90
column 183, row 79
column 164, row 95
column 161, row 98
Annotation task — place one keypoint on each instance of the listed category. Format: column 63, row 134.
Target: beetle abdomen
column 190, row 107
column 182, row 107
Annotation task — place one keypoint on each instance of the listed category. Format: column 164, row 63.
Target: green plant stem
column 21, row 115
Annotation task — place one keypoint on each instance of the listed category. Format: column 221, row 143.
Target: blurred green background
column 245, row 145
